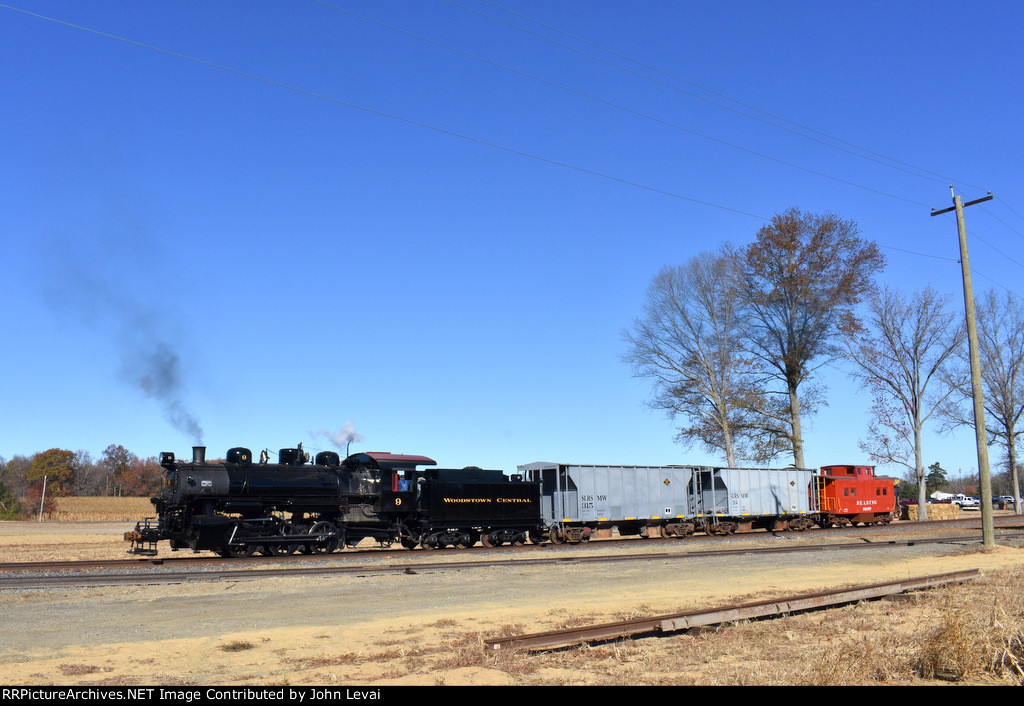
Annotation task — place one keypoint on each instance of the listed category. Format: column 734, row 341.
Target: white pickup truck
column 966, row 502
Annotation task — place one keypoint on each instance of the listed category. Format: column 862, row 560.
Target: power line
column 978, row 237
column 1010, row 209
column 617, row 106
column 920, row 254
column 390, row 116
column 434, row 128
column 974, row 269
column 1011, row 228
column 650, row 117
column 875, row 156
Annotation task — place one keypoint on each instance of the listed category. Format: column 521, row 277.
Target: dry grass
column 100, row 509
column 978, row 639
column 971, row 633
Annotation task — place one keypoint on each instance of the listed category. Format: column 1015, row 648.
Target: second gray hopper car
column 746, row 498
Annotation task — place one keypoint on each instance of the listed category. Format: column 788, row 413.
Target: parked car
column 966, row 503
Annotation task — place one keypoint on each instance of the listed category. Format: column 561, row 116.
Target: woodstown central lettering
column 487, row 500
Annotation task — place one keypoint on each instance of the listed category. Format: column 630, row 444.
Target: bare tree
column 901, row 356
column 15, row 475
column 1001, row 349
column 800, row 281
column 88, row 476
column 688, row 344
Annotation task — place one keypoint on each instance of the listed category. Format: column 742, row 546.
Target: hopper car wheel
column 465, row 541
column 519, row 540
column 488, row 541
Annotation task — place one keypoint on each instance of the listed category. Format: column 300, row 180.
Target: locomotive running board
column 715, row 616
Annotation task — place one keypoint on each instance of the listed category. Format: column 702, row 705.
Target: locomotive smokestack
column 198, row 454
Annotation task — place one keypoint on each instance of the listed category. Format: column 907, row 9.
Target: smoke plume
column 157, row 372
column 341, row 439
column 102, row 298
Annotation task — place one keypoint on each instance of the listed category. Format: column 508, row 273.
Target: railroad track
column 43, row 575
column 181, row 561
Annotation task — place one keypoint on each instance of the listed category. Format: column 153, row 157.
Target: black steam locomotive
column 237, row 507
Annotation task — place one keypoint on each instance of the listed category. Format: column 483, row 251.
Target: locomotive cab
column 397, row 491
column 393, row 479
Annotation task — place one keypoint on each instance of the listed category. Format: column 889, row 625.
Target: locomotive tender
column 236, row 507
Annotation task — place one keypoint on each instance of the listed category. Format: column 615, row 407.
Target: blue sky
column 434, row 219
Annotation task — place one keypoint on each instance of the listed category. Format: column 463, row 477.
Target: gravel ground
column 168, row 633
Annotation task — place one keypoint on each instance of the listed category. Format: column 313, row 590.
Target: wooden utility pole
column 987, row 529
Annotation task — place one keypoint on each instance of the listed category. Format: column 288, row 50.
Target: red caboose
column 852, row 494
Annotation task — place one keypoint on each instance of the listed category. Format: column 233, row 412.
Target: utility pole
column 42, row 500
column 987, row 529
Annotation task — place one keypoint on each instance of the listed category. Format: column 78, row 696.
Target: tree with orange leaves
column 801, row 280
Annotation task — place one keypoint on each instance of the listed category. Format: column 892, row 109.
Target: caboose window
column 846, row 491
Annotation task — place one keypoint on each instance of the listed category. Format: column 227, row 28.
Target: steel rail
column 183, row 561
column 260, row 570
column 702, row 618
column 1007, row 523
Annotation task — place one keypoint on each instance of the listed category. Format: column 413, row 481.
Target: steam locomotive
column 237, row 507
